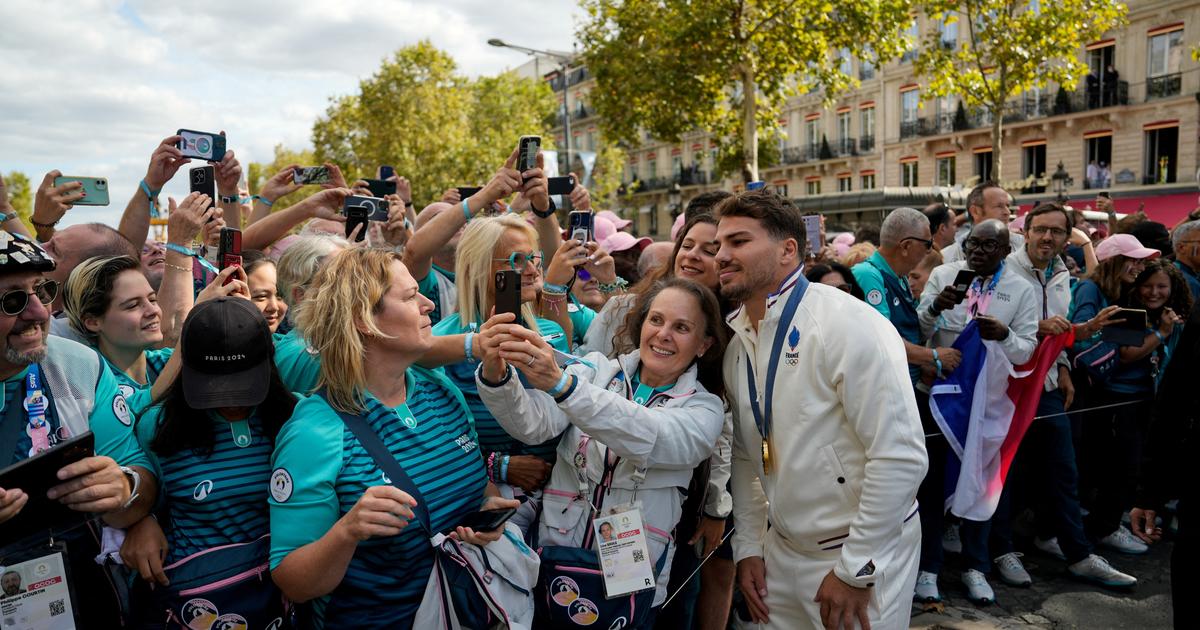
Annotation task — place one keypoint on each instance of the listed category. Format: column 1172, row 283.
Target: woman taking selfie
column 629, row 429
column 341, row 535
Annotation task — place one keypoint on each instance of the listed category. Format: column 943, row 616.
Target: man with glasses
column 55, row 389
column 1186, row 243
column 1047, row 451
column 1005, row 309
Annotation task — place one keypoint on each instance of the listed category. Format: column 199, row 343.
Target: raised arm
column 11, row 222
column 164, row 163
column 326, row 204
column 229, row 174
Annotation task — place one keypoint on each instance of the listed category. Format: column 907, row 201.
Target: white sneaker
column 1125, row 542
column 1012, row 571
column 927, row 589
column 1096, row 569
column 1050, row 547
column 978, row 590
column 951, row 543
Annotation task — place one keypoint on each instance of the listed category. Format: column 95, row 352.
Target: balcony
column 578, row 75
column 795, row 155
column 1164, row 86
column 917, row 127
column 845, row 147
column 866, row 144
column 582, row 111
column 866, row 71
column 557, row 84
column 692, row 177
column 655, row 183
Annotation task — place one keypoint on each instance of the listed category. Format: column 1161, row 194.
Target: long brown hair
column 1180, row 300
column 1107, row 276
column 709, row 365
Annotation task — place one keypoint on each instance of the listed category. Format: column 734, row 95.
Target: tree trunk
column 749, row 125
column 997, row 159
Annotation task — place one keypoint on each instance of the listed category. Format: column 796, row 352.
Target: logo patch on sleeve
column 281, row 485
column 874, row 297
column 121, row 410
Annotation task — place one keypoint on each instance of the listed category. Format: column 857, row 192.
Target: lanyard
column 36, row 405
column 762, row 416
column 979, row 298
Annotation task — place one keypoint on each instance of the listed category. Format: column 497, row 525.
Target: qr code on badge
column 57, row 607
column 639, row 555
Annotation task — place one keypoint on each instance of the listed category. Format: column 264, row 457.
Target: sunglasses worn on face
column 14, row 302
column 927, row 242
column 517, row 260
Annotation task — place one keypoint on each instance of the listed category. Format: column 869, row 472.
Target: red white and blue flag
column 984, row 408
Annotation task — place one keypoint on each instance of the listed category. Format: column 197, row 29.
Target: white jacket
column 1013, row 303
column 659, row 445
column 847, row 449
column 1052, row 297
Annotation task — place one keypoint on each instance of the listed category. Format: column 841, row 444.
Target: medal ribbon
column 36, row 405
column 762, row 416
column 978, row 298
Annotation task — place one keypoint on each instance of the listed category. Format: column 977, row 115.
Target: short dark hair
column 777, row 214
column 938, row 214
column 816, row 272
column 253, row 259
column 867, row 234
column 975, row 197
column 1046, row 208
column 704, row 203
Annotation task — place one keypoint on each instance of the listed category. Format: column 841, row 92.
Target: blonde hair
column 345, row 293
column 473, row 275
column 89, row 290
column 857, row 253
column 931, row 260
column 297, row 266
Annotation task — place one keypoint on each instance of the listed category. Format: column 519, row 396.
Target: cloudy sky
column 92, row 86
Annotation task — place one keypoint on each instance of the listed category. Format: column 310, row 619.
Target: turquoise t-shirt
column 321, row 470
column 492, row 437
column 212, row 499
column 429, row 287
column 581, row 319
column 299, row 365
column 111, row 421
column 139, row 395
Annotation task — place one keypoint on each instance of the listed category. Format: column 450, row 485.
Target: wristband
column 504, row 469
column 468, row 341
column 408, row 204
column 180, row 249
column 548, row 287
column 150, row 195
column 570, row 388
column 228, row 198
column 937, row 362
column 8, row 216
column 1161, row 340
column 266, row 202
column 560, row 385
column 547, row 214
column 613, row 287
column 466, row 211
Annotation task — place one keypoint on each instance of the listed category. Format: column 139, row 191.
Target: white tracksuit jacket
column 1013, row 303
column 664, row 441
column 848, row 451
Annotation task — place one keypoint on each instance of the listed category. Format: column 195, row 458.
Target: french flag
column 984, row 408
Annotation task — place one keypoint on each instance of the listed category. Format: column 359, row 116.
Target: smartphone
column 203, row 179
column 508, row 293
column 560, row 185
column 812, row 230
column 35, row 476
column 487, row 520
column 359, row 210
column 527, row 150
column 962, row 281
column 386, row 172
column 229, row 249
column 95, row 189
column 311, row 175
column 380, row 188
column 579, row 225
column 201, row 144
column 1129, row 330
column 467, row 191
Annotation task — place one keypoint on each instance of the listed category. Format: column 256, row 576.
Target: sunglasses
column 14, row 302
column 517, row 260
column 987, row 247
column 927, row 242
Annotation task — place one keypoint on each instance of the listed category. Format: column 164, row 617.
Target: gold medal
column 766, row 455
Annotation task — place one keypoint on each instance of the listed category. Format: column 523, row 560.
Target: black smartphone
column 229, row 249
column 579, row 226
column 35, row 476
column 380, row 188
column 359, row 210
column 508, row 293
column 467, row 191
column 201, row 144
column 487, row 520
column 386, row 172
column 311, row 175
column 527, row 150
column 1129, row 330
column 203, row 179
column 963, row 281
column 560, row 185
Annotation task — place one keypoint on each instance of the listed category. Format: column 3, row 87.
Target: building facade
column 1131, row 127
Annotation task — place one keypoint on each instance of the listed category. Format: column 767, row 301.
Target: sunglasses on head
column 14, row 302
column 517, row 260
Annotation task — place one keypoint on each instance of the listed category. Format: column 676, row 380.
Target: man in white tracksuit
column 828, row 448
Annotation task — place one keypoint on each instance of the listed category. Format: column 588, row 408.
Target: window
column 698, row 160
column 866, row 65
column 867, row 182
column 812, row 187
column 1102, row 84
column 654, row 219
column 914, row 35
column 843, row 183
column 949, row 33
column 676, row 164
column 909, row 103
column 983, row 165
column 908, row 173
column 1165, row 56
column 945, row 171
column 1162, row 146
column 945, row 107
column 1099, row 157
column 844, row 63
column 652, row 168
column 1033, row 165
column 845, row 142
column 812, row 134
column 781, row 190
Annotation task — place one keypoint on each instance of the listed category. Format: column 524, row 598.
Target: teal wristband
column 504, row 469
column 180, row 249
column 466, row 211
column 150, row 194
column 560, row 385
column 266, row 202
column 937, row 362
column 468, row 342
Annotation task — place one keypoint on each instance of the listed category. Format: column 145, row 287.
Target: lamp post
column 674, row 198
column 1062, row 181
column 564, row 62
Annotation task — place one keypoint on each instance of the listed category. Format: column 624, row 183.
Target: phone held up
column 310, row 175
column 527, row 150
column 579, row 225
column 560, row 185
column 203, row 179
column 201, row 144
column 508, row 294
column 359, row 210
column 963, row 281
column 229, row 249
column 386, row 172
column 95, row 189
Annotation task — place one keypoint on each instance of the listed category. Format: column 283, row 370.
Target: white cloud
column 93, row 85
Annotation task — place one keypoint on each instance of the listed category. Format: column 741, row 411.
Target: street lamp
column 564, row 62
column 1062, row 181
column 674, row 198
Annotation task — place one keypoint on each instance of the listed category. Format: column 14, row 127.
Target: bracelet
column 43, row 226
column 550, row 209
column 560, row 385
column 266, row 202
column 570, row 388
column 408, row 204
column 179, row 267
column 180, row 249
column 1161, row 340
column 468, row 341
column 937, row 362
column 466, row 211
column 556, row 289
column 504, row 469
column 619, row 285
column 228, row 198
column 150, row 195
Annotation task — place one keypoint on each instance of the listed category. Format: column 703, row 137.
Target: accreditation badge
column 35, row 594
column 624, row 555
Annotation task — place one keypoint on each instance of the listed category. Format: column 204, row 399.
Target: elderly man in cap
column 54, row 390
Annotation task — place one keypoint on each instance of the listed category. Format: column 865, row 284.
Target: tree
column 725, row 66
column 1010, row 47
column 438, row 128
column 20, row 196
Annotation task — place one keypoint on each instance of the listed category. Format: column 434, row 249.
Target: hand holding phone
column 527, row 151
column 310, row 175
column 95, row 189
column 812, row 230
column 508, row 294
column 487, row 520
column 201, row 144
column 229, row 249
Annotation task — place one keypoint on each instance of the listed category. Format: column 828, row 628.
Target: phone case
column 310, row 175
column 580, row 222
column 203, row 179
column 379, row 188
column 560, row 185
column 527, row 150
column 201, row 144
column 95, row 189
column 508, row 293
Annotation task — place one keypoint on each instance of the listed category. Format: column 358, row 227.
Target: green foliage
column 20, row 195
column 259, row 172
column 1006, row 48
column 671, row 66
column 438, row 128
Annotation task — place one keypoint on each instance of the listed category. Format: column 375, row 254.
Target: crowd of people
column 345, row 432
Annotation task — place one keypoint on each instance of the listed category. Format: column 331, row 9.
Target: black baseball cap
column 226, row 347
column 20, row 253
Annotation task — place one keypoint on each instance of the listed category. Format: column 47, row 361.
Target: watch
column 135, row 483
column 229, row 198
column 548, row 213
